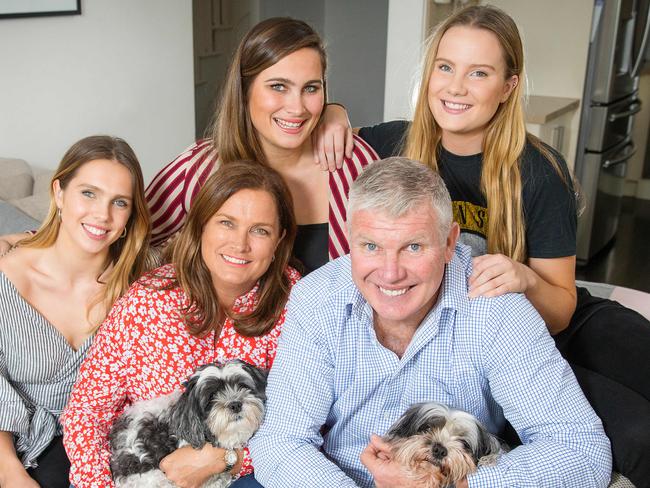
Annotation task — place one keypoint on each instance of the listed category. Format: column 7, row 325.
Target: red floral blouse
column 143, row 350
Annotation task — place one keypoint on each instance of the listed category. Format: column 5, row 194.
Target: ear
column 57, row 191
column 188, row 416
column 452, row 239
column 487, row 444
column 259, row 376
column 509, row 86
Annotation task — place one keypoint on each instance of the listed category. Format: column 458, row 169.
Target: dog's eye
column 243, row 385
column 466, row 446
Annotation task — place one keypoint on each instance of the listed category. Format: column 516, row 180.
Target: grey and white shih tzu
column 221, row 405
column 438, row 445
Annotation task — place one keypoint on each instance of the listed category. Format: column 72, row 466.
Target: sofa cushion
column 12, row 220
column 36, row 206
column 17, row 179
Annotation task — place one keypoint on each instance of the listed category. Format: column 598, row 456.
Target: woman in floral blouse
column 223, row 297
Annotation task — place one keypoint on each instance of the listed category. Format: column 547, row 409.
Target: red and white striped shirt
column 173, row 189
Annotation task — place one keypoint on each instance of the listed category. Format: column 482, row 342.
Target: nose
column 102, row 210
column 240, row 239
column 294, row 103
column 456, row 85
column 234, row 407
column 392, row 270
column 438, row 451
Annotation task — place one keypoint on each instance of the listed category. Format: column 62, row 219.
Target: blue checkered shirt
column 492, row 357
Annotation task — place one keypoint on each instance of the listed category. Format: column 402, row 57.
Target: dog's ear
column 189, row 414
column 487, row 444
column 259, row 376
column 409, row 424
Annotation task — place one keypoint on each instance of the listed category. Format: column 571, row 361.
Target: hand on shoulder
column 496, row 274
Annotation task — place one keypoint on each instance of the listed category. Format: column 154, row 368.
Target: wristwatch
column 230, row 457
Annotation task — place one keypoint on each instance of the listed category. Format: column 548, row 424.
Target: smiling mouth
column 394, row 293
column 96, row 231
column 234, row 260
column 287, row 125
column 455, row 106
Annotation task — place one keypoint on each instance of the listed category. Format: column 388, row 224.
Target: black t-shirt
column 310, row 246
column 549, row 203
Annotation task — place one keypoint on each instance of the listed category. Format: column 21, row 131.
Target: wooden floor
column 626, row 262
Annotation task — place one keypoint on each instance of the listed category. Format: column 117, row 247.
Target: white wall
column 556, row 44
column 355, row 35
column 123, row 67
column 406, row 33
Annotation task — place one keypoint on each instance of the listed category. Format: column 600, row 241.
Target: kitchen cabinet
column 550, row 119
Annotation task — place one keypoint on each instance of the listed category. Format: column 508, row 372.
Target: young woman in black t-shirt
column 514, row 200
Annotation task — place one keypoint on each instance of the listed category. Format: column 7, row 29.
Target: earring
column 58, row 213
column 123, row 233
column 273, row 258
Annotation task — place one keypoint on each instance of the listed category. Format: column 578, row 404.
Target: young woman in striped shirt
column 272, row 100
column 56, row 287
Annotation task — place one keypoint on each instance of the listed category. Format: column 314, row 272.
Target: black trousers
column 53, row 466
column 608, row 348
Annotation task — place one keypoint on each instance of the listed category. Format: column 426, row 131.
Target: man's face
column 398, row 263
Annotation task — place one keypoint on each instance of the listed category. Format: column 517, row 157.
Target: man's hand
column 191, row 468
column 332, row 138
column 378, row 458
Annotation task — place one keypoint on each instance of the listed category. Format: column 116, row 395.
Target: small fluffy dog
column 221, row 405
column 439, row 446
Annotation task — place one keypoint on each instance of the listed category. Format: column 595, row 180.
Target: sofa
column 24, row 195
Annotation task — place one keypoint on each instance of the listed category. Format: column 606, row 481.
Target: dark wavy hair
column 204, row 312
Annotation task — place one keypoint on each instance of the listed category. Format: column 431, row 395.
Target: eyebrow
column 231, row 217
column 292, row 83
column 472, row 66
column 97, row 189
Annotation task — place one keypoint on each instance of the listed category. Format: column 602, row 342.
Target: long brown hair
column 269, row 41
column 204, row 312
column 505, row 137
column 127, row 255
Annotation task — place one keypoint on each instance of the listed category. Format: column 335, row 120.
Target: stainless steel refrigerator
column 619, row 36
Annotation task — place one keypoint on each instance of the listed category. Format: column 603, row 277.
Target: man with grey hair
column 368, row 335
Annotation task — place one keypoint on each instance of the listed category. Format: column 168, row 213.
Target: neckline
column 43, row 320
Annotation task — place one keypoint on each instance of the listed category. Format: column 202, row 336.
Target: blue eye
column 121, row 203
column 444, row 67
column 414, row 247
column 278, row 87
column 88, row 193
column 226, row 223
column 261, row 231
column 370, row 246
column 311, row 88
column 479, row 74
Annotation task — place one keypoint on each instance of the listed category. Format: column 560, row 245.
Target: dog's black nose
column 438, row 451
column 235, row 407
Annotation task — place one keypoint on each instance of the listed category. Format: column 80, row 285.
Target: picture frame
column 13, row 9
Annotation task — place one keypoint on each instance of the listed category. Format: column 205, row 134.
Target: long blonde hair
column 127, row 255
column 505, row 137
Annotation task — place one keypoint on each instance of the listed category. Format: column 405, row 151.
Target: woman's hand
column 332, row 138
column 496, row 274
column 191, row 468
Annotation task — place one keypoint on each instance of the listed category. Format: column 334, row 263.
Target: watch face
column 230, row 457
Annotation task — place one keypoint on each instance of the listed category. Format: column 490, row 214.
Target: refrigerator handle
column 634, row 108
column 642, row 48
column 613, row 162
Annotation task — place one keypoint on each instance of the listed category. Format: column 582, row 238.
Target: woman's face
column 467, row 85
column 285, row 101
column 95, row 205
column 238, row 242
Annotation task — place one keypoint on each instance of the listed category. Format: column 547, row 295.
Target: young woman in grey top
column 55, row 289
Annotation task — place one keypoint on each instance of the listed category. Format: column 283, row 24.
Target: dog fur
column 438, row 445
column 221, row 405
